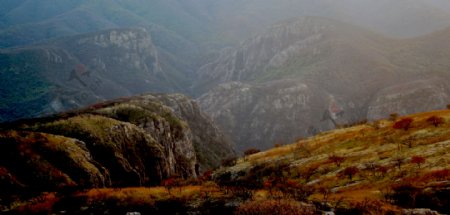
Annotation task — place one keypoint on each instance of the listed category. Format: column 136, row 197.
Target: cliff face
column 210, row 143
column 75, row 71
column 127, row 142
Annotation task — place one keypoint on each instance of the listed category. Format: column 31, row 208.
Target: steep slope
column 347, row 74
column 381, row 163
column 129, row 142
column 210, row 144
column 71, row 72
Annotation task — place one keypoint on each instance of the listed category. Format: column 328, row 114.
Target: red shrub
column 435, row 120
column 418, row 160
column 441, row 174
column 404, row 124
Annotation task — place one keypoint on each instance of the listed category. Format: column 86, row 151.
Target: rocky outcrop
column 210, row 144
column 128, row 142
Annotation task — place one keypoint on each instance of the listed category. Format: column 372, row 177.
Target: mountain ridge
column 354, row 74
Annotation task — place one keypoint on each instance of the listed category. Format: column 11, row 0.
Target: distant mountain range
column 312, row 74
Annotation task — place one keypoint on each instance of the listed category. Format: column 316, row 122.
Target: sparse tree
column 169, row 184
column 409, row 141
column 337, row 160
column 418, row 160
column 435, row 120
column 398, row 162
column 404, row 124
column 350, row 172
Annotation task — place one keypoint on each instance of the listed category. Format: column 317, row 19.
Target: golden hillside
column 382, row 167
column 369, row 162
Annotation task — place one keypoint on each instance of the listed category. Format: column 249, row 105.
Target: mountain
column 185, row 35
column 396, row 166
column 210, row 23
column 76, row 71
column 128, row 142
column 322, row 73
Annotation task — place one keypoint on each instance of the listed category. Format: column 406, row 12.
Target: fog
column 229, row 21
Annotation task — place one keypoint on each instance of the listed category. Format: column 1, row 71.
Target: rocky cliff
column 210, row 143
column 128, row 142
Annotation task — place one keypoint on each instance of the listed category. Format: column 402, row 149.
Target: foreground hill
column 129, row 142
column 383, row 167
column 323, row 73
column 404, row 162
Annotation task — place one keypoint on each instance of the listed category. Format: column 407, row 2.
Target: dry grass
column 378, row 144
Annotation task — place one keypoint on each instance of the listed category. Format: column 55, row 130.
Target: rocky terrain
column 319, row 73
column 138, row 141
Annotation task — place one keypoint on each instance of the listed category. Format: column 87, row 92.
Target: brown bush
column 279, row 207
column 231, row 161
column 278, row 145
column 251, row 151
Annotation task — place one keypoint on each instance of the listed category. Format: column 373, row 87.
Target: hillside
column 137, row 141
column 322, row 73
column 382, row 167
column 76, row 71
column 393, row 161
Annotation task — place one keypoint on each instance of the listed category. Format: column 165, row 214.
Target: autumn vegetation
column 363, row 169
